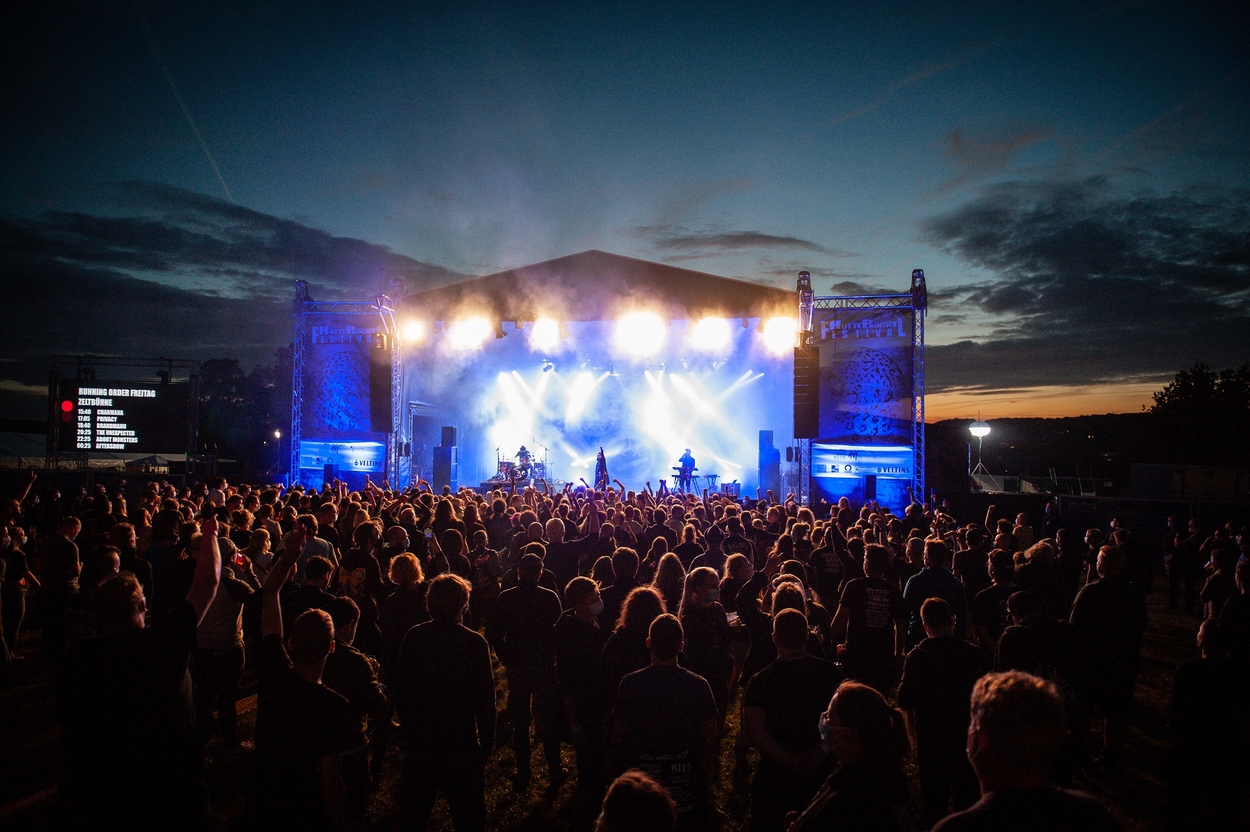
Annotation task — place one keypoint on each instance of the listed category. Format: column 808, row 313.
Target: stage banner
column 865, row 376
column 337, row 363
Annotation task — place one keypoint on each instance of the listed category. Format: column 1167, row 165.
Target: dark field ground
column 1134, row 789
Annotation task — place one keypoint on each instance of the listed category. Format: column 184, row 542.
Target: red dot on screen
column 67, row 405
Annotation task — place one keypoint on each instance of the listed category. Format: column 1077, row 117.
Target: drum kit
column 521, row 468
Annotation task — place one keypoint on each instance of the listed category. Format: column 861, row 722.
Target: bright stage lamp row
column 638, row 333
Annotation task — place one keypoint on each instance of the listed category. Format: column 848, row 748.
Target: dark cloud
column 690, row 243
column 1086, row 285
column 976, row 159
column 855, row 287
column 171, row 273
column 783, row 271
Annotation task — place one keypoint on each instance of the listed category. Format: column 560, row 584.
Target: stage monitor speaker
column 806, row 392
column 449, row 436
column 380, row 391
column 870, row 487
column 330, row 473
column 769, row 464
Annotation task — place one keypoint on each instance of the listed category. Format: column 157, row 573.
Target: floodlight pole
column 980, row 430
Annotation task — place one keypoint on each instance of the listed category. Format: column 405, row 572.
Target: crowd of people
column 830, row 648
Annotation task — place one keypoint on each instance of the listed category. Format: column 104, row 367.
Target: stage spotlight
column 640, row 333
column 470, row 333
column 548, row 366
column 545, row 335
column 710, row 334
column 779, row 335
column 414, row 332
column 499, row 333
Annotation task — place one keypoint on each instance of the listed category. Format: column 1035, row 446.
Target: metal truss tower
column 303, row 308
column 917, row 301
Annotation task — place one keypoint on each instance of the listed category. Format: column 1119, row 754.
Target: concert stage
column 641, row 359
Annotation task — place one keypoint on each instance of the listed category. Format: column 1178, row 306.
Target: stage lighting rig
column 470, row 333
column 779, row 334
column 414, row 332
column 544, row 335
column 710, row 334
column 640, row 333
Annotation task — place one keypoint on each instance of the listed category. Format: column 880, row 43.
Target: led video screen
column 126, row 416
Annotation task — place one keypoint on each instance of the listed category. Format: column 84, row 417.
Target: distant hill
column 1092, row 447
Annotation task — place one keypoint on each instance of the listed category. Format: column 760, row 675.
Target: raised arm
column 279, row 574
column 207, row 570
column 30, row 481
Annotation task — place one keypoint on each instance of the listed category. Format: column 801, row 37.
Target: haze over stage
column 597, row 349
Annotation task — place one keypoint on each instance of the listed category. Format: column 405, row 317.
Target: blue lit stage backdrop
column 346, row 382
column 865, row 445
column 644, row 390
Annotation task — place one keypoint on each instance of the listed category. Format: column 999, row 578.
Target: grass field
column 1133, row 790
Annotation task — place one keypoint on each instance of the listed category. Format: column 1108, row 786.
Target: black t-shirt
column 520, row 629
column 297, row 723
column 873, row 605
column 970, row 567
column 1038, row 645
column 402, row 610
column 613, row 598
column 712, row 558
column 562, row 559
column 444, row 690
column 687, row 552
column 1235, row 617
column 350, row 674
column 579, row 659
column 793, row 693
column 1032, row 810
column 1217, row 590
column 1207, row 697
column 937, row 686
column 833, row 568
column 1110, row 616
column 989, row 609
column 60, row 566
column 736, row 544
column 624, row 653
column 127, row 710
column 707, row 637
column 16, row 569
column 665, row 708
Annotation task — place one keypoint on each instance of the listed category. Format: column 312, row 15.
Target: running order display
column 126, row 416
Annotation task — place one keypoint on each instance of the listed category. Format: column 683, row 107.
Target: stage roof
column 596, row 285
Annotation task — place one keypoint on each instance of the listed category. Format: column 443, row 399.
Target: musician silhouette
column 601, row 471
column 685, row 471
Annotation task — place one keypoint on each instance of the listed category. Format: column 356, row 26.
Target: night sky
column 1072, row 177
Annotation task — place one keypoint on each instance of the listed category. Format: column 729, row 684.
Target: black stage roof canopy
column 596, row 286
